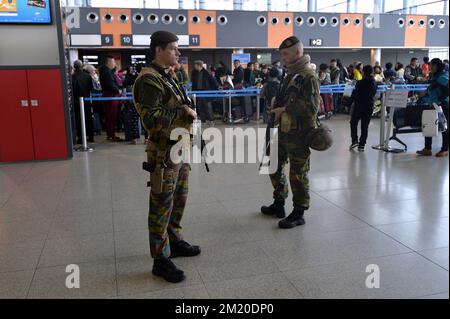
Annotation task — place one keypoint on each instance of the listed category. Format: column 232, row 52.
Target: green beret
column 289, row 42
column 163, row 37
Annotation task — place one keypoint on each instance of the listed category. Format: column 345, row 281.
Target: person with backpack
column 327, row 98
column 97, row 108
column 269, row 92
column 389, row 73
column 343, row 76
column 363, row 97
column 110, row 89
column 182, row 75
column 82, row 86
column 437, row 93
column 131, row 116
column 202, row 80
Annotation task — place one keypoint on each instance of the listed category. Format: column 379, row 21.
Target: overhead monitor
column 25, row 11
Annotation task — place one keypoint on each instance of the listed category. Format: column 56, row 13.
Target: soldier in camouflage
column 164, row 106
column 295, row 109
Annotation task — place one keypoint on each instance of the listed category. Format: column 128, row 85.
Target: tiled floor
column 368, row 208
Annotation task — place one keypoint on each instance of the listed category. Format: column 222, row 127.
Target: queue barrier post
column 230, row 117
column 84, row 147
column 258, row 101
column 223, row 109
column 381, row 145
column 194, row 98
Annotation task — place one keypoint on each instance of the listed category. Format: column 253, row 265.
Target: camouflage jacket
column 300, row 94
column 160, row 99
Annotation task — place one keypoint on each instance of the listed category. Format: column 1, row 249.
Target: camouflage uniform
column 300, row 96
column 160, row 100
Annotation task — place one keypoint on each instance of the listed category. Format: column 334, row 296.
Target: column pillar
column 237, row 4
column 375, row 56
column 312, row 5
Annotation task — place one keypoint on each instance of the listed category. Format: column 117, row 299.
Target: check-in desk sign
column 316, row 42
column 107, row 40
column 126, row 40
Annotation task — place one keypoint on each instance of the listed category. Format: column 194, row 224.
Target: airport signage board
column 126, row 40
column 316, row 42
column 107, row 40
column 194, row 40
column 396, row 98
column 143, row 40
column 243, row 57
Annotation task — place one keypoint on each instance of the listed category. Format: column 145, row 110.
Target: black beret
column 289, row 42
column 163, row 37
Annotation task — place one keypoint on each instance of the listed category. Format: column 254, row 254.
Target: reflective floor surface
column 371, row 209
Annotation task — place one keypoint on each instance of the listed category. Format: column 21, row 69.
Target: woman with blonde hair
column 96, row 107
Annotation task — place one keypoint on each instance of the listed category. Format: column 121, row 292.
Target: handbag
column 442, row 121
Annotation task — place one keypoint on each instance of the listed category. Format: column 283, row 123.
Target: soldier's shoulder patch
column 299, row 79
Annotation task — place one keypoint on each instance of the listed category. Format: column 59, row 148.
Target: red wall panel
column 44, row 86
column 16, row 137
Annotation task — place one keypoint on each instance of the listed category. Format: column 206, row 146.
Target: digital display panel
column 25, row 11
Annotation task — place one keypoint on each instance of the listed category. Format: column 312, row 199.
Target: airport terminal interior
column 74, row 199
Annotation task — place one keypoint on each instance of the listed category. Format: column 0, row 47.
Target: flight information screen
column 25, row 11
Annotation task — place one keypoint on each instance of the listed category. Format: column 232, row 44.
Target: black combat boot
column 294, row 219
column 165, row 268
column 276, row 209
column 183, row 249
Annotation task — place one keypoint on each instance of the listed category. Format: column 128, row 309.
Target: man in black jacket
column 238, row 82
column 249, row 75
column 81, row 87
column 363, row 99
column 202, row 80
column 413, row 72
column 110, row 89
column 238, row 75
column 389, row 73
column 222, row 71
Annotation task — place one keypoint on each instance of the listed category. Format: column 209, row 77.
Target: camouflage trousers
column 167, row 207
column 292, row 149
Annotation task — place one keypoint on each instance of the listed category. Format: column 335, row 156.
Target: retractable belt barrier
column 229, row 94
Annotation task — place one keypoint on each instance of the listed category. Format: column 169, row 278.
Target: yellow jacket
column 357, row 75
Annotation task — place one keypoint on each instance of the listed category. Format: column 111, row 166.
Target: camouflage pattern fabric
column 301, row 99
column 160, row 102
column 166, row 208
